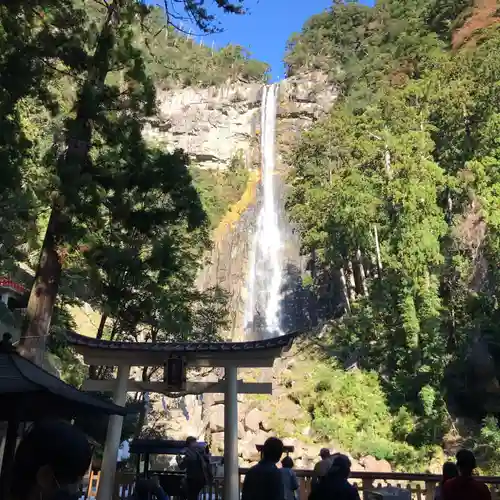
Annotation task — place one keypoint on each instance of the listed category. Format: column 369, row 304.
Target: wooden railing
column 421, row 486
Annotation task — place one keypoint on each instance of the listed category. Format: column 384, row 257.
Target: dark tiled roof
column 282, row 342
column 28, row 392
column 8, row 283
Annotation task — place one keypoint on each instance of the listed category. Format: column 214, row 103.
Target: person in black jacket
column 263, row 481
column 196, row 465
column 50, row 462
column 335, row 484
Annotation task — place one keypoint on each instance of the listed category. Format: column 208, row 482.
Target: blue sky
column 266, row 28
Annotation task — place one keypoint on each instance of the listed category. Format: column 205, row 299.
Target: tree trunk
column 351, row 282
column 377, row 251
column 43, row 293
column 387, row 162
column 345, row 291
column 78, row 143
column 361, row 288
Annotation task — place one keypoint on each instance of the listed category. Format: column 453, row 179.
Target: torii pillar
column 228, row 355
column 231, row 469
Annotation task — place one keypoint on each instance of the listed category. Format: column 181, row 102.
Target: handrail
column 390, row 476
column 420, row 486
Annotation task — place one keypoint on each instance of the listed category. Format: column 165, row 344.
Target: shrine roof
column 195, row 353
column 28, row 392
column 12, row 285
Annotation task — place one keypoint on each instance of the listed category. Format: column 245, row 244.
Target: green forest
column 397, row 193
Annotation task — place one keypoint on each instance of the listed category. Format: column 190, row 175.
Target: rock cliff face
column 214, row 125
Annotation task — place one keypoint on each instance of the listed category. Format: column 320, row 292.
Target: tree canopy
column 395, row 190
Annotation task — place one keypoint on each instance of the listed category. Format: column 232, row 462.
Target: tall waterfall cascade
column 265, row 274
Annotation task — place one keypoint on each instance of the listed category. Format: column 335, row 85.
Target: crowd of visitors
column 331, row 473
column 53, row 457
column 265, row 481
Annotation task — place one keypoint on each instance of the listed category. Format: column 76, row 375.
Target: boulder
column 248, row 452
column 292, row 411
column 307, row 463
column 291, row 442
column 216, row 418
column 253, row 420
column 241, row 430
column 217, row 442
column 248, row 446
column 261, row 437
column 371, row 464
column 289, row 429
column 213, row 399
column 312, row 451
column 356, row 466
column 384, row 466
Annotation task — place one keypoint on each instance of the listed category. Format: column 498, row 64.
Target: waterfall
column 262, row 307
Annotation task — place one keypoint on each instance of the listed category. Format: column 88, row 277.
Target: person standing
column 335, row 484
column 322, row 467
column 149, row 489
column 195, row 464
column 465, row 487
column 50, row 462
column 450, row 471
column 263, row 481
column 290, row 483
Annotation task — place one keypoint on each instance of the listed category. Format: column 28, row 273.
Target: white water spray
column 262, row 308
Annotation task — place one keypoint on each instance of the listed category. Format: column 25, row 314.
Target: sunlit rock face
column 213, row 125
column 293, row 107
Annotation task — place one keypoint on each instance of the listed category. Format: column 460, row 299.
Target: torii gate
column 227, row 355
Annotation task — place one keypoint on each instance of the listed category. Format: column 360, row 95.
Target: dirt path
column 483, row 15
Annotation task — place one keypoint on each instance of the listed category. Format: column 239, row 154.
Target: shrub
column 350, row 409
